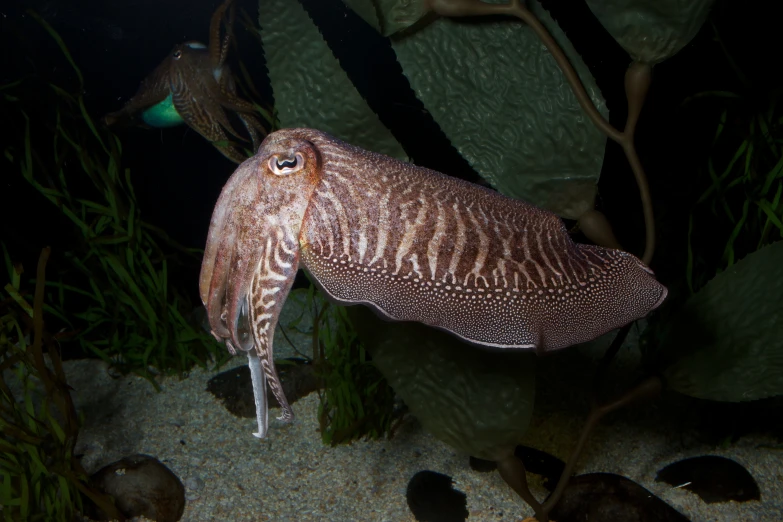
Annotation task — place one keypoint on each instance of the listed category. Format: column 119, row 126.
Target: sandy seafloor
column 291, row 475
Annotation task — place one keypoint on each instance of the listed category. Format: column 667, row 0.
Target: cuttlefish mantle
column 413, row 244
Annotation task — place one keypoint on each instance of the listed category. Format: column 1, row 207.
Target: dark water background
column 178, row 175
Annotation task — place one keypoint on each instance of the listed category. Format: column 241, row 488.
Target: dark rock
column 432, row 499
column 606, row 497
column 713, row 478
column 140, row 485
column 235, row 389
column 541, row 463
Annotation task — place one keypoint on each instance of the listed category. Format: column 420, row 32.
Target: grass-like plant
column 741, row 203
column 355, row 399
column 117, row 295
column 40, row 478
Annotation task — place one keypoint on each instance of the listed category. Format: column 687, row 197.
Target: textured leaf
column 492, row 87
column 310, row 88
column 477, row 401
column 499, row 96
column 651, row 31
column 389, row 16
column 726, row 343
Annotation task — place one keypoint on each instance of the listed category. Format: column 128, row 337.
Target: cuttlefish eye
column 283, row 166
column 177, row 54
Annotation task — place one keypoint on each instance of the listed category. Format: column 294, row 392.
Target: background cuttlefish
column 194, row 85
column 413, row 244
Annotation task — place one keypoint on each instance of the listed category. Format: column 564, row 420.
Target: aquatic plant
column 725, row 342
column 741, row 204
column 353, row 119
column 118, row 301
column 342, row 112
column 356, row 401
column 117, row 297
column 40, row 477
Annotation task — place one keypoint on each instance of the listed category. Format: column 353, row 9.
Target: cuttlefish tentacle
column 245, row 111
column 246, row 114
column 218, row 46
column 414, row 244
column 252, row 254
column 258, row 379
column 207, row 118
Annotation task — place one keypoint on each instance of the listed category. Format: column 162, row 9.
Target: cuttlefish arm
column 218, row 44
column 413, row 244
column 218, row 49
column 252, row 254
column 245, row 111
column 199, row 100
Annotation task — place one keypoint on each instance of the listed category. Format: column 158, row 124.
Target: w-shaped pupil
column 289, row 163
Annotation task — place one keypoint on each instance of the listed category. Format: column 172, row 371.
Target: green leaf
column 769, row 210
column 19, row 299
column 56, row 429
column 477, row 401
column 728, row 253
column 726, row 342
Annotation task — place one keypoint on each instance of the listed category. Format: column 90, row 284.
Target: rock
column 606, row 497
column 235, row 390
column 140, row 485
column 713, row 478
column 432, row 499
column 541, row 463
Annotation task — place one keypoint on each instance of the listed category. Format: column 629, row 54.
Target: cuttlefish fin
column 153, row 90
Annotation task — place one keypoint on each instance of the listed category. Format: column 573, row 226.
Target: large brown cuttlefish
column 412, row 243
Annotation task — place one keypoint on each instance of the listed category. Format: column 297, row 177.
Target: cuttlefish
column 193, row 85
column 409, row 242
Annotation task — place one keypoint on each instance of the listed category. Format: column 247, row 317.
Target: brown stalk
column 637, row 82
column 648, row 388
column 57, row 392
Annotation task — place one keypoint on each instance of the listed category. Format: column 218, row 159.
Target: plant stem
column 637, row 81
